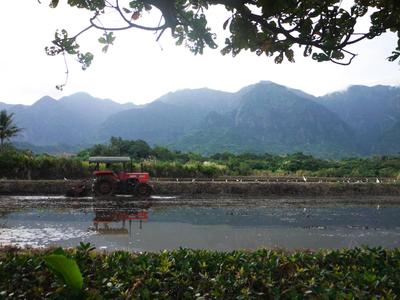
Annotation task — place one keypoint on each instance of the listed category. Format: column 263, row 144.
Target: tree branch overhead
column 323, row 28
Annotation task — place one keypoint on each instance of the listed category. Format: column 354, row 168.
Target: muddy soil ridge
column 217, row 188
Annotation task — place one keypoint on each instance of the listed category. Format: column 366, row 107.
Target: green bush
column 162, row 162
column 360, row 273
column 15, row 164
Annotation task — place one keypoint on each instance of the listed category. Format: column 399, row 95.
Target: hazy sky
column 138, row 69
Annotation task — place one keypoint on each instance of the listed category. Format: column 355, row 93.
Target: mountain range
column 264, row 117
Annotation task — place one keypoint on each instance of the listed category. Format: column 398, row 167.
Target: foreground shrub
column 360, row 273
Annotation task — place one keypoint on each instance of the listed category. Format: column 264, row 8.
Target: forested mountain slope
column 264, row 117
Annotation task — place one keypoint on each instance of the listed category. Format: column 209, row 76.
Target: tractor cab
column 114, row 175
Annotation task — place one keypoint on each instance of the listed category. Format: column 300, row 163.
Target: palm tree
column 7, row 128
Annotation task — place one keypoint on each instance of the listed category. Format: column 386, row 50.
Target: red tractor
column 109, row 182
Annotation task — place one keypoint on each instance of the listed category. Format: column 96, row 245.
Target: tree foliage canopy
column 323, row 29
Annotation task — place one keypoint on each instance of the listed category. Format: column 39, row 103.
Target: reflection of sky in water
column 39, row 237
column 210, row 228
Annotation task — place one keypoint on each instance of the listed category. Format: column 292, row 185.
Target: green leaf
column 110, row 38
column 59, row 251
column 67, row 269
column 289, row 55
column 278, row 59
column 54, row 3
column 337, row 54
column 320, row 57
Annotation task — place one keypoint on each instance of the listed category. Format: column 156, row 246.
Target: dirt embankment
column 260, row 189
column 199, row 189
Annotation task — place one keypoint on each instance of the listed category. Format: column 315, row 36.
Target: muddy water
column 137, row 226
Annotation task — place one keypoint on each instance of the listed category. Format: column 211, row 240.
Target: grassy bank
column 360, row 273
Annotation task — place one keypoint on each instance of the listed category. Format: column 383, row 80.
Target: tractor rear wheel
column 143, row 189
column 103, row 187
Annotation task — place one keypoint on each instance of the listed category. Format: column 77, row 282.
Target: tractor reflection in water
column 114, row 222
column 112, row 181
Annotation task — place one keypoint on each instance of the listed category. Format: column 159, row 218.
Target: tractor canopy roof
column 109, row 159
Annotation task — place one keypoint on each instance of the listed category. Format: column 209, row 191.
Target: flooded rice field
column 160, row 223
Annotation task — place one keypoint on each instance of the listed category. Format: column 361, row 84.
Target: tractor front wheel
column 143, row 189
column 103, row 187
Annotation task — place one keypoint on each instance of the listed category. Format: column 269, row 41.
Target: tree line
column 163, row 162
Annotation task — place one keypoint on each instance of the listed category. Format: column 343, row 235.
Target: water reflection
column 114, row 221
column 118, row 225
